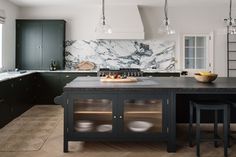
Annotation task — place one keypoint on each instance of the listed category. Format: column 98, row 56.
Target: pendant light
column 102, row 26
column 230, row 21
column 165, row 27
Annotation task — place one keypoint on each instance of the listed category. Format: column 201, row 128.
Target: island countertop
column 177, row 83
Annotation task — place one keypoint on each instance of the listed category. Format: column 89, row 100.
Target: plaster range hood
column 125, row 21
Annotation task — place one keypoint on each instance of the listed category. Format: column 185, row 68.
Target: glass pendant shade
column 231, row 29
column 230, row 21
column 102, row 26
column 165, row 28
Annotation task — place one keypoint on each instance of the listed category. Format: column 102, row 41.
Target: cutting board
column 126, row 80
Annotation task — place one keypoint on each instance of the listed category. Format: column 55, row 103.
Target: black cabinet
column 22, row 94
column 126, row 115
column 50, row 84
column 16, row 96
column 38, row 42
column 5, row 107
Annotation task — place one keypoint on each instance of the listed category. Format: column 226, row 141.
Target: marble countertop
column 14, row 74
column 11, row 75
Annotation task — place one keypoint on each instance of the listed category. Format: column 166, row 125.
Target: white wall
column 11, row 12
column 81, row 22
column 192, row 20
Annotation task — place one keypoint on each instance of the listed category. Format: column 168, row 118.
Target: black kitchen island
column 143, row 110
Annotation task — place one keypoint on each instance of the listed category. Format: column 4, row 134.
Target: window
column 0, row 45
column 196, row 52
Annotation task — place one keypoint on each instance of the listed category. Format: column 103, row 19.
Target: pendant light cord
column 166, row 12
column 230, row 14
column 103, row 12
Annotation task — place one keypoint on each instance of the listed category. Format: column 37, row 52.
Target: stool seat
column 210, row 106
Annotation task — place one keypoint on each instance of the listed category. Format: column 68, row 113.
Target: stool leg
column 229, row 117
column 216, row 128
column 226, row 126
column 190, row 124
column 198, row 131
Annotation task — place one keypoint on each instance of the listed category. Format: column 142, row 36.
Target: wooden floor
column 54, row 148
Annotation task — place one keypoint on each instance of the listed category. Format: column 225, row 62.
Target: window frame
column 208, row 53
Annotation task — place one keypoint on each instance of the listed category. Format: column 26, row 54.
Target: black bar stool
column 210, row 106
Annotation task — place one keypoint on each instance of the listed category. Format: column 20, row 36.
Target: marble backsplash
column 116, row 54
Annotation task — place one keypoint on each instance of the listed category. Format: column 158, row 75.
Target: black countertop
column 177, row 83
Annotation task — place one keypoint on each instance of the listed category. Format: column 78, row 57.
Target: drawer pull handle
column 67, row 76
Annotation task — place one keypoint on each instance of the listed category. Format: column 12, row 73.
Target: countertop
column 14, row 74
column 177, row 83
column 11, row 75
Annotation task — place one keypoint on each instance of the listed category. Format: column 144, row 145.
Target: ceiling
column 35, row 3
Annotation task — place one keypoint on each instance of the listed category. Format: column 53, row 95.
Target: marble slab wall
column 116, row 54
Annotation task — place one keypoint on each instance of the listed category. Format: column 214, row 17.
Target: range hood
column 125, row 21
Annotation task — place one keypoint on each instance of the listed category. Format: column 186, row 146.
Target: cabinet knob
column 67, row 76
column 121, row 117
column 114, row 117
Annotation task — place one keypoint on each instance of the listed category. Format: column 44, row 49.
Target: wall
column 192, row 20
column 81, row 22
column 11, row 12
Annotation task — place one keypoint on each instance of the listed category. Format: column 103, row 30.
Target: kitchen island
column 143, row 110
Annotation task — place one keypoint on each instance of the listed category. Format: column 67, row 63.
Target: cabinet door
column 92, row 115
column 53, row 43
column 28, row 44
column 5, row 109
column 143, row 114
column 23, row 95
column 49, row 88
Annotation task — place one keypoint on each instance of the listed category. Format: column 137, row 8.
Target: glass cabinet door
column 143, row 115
column 92, row 115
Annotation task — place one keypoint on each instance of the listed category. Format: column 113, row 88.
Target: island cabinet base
column 124, row 115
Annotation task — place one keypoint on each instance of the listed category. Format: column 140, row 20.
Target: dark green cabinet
column 19, row 94
column 22, row 92
column 5, row 107
column 50, row 84
column 16, row 96
column 38, row 42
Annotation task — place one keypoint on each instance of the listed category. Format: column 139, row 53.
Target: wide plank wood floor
column 54, row 148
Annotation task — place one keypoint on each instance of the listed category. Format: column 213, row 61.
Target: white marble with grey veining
column 121, row 53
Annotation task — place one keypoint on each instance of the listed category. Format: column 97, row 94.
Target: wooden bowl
column 204, row 78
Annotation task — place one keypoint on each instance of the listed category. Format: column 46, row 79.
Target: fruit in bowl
column 205, row 77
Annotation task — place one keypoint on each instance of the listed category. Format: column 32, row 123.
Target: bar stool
column 209, row 106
